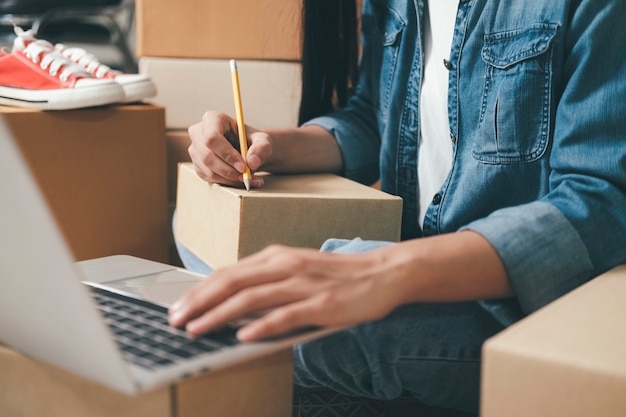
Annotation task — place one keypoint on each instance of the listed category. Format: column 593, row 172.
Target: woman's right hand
column 214, row 150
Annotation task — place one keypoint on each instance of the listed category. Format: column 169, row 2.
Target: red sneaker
column 136, row 86
column 34, row 75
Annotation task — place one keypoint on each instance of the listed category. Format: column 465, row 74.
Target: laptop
column 82, row 316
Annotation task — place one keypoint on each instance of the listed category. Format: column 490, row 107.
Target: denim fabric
column 537, row 105
column 189, row 259
column 431, row 351
column 323, row 402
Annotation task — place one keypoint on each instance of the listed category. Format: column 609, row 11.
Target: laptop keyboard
column 144, row 336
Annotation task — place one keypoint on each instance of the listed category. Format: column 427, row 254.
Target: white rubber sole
column 88, row 94
column 136, row 87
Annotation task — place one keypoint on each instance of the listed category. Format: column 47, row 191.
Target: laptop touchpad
column 162, row 288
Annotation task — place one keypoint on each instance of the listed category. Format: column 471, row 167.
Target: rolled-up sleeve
column 578, row 230
column 358, row 141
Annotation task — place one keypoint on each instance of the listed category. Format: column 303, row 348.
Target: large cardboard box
column 567, row 359
column 103, row 173
column 240, row 29
column 259, row 388
column 222, row 224
column 187, row 88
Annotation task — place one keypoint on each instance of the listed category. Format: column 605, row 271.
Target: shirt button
column 453, row 138
column 448, row 65
column 437, row 199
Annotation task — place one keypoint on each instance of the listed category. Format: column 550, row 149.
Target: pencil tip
column 246, row 182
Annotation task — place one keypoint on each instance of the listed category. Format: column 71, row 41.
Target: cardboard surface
column 222, row 224
column 102, row 171
column 187, row 88
column 259, row 388
column 567, row 359
column 177, row 142
column 234, row 29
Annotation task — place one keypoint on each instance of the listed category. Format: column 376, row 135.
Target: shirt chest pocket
column 515, row 110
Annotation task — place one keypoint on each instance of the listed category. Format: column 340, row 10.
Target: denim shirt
column 537, row 111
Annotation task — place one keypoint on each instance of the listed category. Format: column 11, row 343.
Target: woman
column 501, row 125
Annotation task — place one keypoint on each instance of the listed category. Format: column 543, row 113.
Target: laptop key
column 133, row 350
column 145, row 337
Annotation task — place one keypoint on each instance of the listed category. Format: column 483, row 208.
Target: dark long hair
column 330, row 51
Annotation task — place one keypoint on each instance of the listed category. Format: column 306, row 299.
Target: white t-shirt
column 435, row 151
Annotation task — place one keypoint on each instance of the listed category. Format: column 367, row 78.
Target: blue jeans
column 431, row 351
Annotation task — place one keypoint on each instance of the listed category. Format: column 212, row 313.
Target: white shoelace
column 43, row 54
column 84, row 59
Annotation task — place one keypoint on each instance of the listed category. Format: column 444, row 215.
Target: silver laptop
column 90, row 317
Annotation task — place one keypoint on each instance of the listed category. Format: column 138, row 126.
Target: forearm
column 303, row 149
column 451, row 267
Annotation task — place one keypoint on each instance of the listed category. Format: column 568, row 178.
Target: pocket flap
column 504, row 49
column 384, row 22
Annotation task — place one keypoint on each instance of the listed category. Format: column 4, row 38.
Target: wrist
column 445, row 268
column 303, row 150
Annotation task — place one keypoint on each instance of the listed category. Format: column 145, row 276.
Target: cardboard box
column 239, row 29
column 177, row 142
column 567, row 359
column 259, row 388
column 222, row 224
column 103, row 173
column 187, row 88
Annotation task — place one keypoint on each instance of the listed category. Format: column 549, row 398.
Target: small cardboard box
column 239, row 29
column 567, row 359
column 103, row 173
column 223, row 224
column 187, row 88
column 258, row 388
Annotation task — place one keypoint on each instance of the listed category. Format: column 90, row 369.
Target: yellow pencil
column 241, row 127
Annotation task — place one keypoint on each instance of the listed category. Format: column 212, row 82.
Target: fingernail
column 176, row 317
column 240, row 167
column 194, row 328
column 245, row 333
